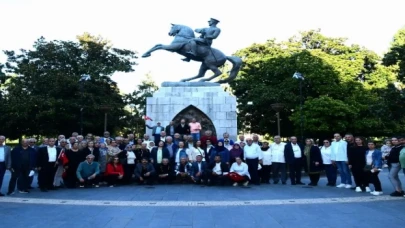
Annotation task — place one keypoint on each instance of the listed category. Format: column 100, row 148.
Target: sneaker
column 246, row 183
column 348, row 186
column 10, row 193
column 375, row 193
column 368, row 189
column 81, row 186
column 23, row 192
column 96, row 185
column 111, row 186
column 358, row 189
column 340, row 186
column 235, row 184
column 396, row 193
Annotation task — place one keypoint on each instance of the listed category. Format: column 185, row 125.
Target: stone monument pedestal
column 214, row 108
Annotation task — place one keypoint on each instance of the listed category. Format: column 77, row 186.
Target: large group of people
column 178, row 155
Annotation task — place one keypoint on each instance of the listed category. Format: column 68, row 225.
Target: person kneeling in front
column 88, row 172
column 114, row 172
column 239, row 172
column 184, row 171
column 218, row 171
column 144, row 172
column 165, row 174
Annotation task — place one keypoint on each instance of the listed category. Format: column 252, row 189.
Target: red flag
column 147, row 118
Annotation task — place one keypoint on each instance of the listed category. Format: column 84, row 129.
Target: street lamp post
column 299, row 76
column 83, row 78
column 105, row 108
column 132, row 107
column 278, row 107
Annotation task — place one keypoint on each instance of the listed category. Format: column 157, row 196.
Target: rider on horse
column 206, row 38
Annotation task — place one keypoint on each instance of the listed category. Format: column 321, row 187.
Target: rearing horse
column 211, row 58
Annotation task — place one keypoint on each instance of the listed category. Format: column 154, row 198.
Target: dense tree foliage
column 396, row 54
column 138, row 98
column 345, row 89
column 44, row 96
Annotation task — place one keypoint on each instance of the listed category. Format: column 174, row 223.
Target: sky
column 139, row 25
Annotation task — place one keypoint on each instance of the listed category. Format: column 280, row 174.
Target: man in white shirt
column 339, row 158
column 253, row 156
column 278, row 161
column 5, row 159
column 47, row 163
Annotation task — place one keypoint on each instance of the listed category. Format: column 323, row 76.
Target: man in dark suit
column 47, row 164
column 294, row 154
column 172, row 148
column 218, row 171
column 5, row 160
column 199, row 171
column 157, row 159
column 145, row 172
column 183, row 128
column 170, row 129
column 22, row 163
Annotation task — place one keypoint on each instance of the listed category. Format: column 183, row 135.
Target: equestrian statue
column 199, row 49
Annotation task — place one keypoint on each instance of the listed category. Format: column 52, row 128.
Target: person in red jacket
column 208, row 136
column 114, row 172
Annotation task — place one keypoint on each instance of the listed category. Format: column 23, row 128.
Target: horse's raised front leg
column 201, row 73
column 170, row 47
column 216, row 71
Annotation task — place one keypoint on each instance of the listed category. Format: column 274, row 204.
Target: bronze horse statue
column 209, row 57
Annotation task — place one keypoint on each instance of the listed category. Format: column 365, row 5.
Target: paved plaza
column 184, row 206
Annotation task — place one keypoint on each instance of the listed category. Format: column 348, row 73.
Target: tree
column 396, row 54
column 46, row 96
column 340, row 90
column 145, row 89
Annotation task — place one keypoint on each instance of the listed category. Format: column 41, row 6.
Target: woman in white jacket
column 239, row 172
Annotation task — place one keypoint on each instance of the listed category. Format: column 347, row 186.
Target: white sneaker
column 358, row 189
column 340, row 186
column 348, row 186
column 368, row 189
column 375, row 193
column 246, row 183
column 235, row 184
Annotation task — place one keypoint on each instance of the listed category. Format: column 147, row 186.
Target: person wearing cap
column 206, row 38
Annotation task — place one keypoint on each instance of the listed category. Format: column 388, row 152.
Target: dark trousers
column 20, row 173
column 372, row 178
column 278, row 168
column 129, row 170
column 253, row 165
column 265, row 173
column 331, row 174
column 90, row 182
column 217, row 179
column 203, row 178
column 358, row 176
column 314, row 178
column 165, row 179
column 46, row 175
column 295, row 171
column 2, row 172
column 156, row 139
column 112, row 179
column 146, row 180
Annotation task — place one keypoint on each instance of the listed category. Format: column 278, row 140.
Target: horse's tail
column 236, row 65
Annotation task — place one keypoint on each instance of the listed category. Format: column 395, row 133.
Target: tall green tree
column 396, row 54
column 339, row 92
column 138, row 99
column 46, row 96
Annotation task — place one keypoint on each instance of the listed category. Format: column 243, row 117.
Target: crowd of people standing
column 178, row 155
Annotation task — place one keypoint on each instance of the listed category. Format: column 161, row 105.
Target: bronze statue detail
column 200, row 50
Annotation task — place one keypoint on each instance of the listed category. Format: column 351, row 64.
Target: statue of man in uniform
column 206, row 37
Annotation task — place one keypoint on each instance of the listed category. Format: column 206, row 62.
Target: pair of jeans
column 345, row 176
column 196, row 136
column 394, row 176
column 331, row 173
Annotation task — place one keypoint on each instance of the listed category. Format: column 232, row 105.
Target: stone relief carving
column 193, row 112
